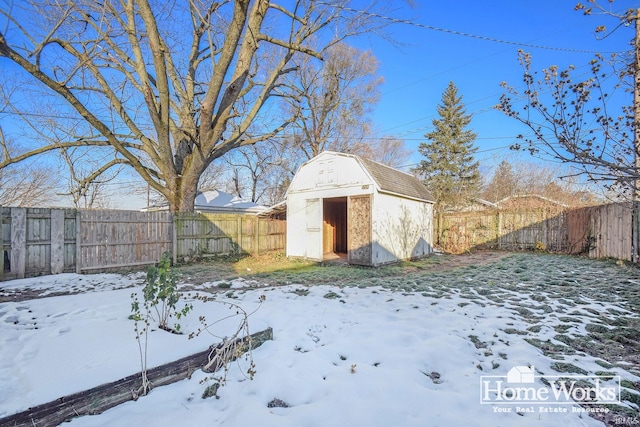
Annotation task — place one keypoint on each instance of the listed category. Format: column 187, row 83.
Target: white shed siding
column 337, row 176
column 402, row 228
column 334, row 176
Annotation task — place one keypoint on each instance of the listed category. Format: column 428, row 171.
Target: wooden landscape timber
column 98, row 399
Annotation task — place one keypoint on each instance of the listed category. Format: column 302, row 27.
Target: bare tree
column 166, row 88
column 332, row 99
column 389, row 151
column 87, row 182
column 588, row 122
column 526, row 178
column 252, row 166
column 503, row 183
column 573, row 127
column 214, row 176
column 26, row 185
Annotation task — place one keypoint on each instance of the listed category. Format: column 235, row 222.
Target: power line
column 465, row 34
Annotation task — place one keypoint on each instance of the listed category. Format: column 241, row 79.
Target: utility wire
column 462, row 33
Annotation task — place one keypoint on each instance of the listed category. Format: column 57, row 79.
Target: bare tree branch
column 171, row 87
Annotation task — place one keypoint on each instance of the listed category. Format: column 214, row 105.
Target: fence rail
column 51, row 241
column 596, row 231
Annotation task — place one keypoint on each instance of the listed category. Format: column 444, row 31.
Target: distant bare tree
column 389, row 151
column 252, row 168
column 26, row 185
column 503, row 183
column 214, row 177
column 331, row 99
column 525, row 178
column 87, row 181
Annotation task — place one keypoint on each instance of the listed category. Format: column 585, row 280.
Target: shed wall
column 330, row 173
column 402, row 229
column 324, row 178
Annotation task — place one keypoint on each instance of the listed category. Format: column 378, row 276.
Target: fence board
column 116, row 239
column 212, row 233
column 18, row 241
column 596, row 231
column 57, row 241
column 44, row 241
column 38, row 241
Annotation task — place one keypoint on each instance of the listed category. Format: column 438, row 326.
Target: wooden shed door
column 359, row 229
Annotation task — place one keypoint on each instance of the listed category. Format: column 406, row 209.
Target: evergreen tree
column 449, row 169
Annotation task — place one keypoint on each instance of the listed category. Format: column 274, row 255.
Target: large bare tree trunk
column 164, row 88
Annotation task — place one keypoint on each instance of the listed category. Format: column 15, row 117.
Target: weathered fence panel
column 205, row 234
column 202, row 234
column 119, row 239
column 596, row 231
column 272, row 234
column 34, row 242
column 601, row 231
column 38, row 241
column 502, row 229
column 458, row 232
column 51, row 241
column 533, row 228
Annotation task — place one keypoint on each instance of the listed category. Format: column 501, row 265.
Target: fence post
column 18, row 241
column 499, row 229
column 78, row 241
column 239, row 233
column 174, row 237
column 4, row 260
column 545, row 228
column 635, row 234
column 256, row 235
column 5, row 256
column 57, row 241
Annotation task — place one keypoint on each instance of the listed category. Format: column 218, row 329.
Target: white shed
column 341, row 204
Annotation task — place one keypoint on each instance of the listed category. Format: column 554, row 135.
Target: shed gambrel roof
column 393, row 181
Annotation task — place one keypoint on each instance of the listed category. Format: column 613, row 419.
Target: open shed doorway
column 334, row 228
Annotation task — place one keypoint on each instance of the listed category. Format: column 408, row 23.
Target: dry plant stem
column 146, row 385
column 231, row 347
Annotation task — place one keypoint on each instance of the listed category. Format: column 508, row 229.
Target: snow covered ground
column 350, row 356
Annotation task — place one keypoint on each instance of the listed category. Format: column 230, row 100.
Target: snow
column 370, row 357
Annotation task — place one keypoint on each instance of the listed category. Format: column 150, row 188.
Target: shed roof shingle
column 394, row 181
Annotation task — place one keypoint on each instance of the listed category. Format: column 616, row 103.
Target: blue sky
column 417, row 73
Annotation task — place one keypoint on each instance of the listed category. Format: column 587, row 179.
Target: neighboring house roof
column 278, row 211
column 514, row 200
column 484, row 202
column 393, row 181
column 475, row 204
column 218, row 201
column 214, row 200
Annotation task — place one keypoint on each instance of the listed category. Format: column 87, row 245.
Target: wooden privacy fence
column 596, row 231
column 209, row 233
column 601, row 231
column 51, row 241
